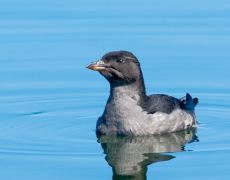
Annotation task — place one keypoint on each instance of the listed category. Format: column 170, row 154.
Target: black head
column 118, row 67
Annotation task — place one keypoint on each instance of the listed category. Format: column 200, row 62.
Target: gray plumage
column 129, row 111
column 166, row 104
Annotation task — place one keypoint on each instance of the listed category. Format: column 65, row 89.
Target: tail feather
column 188, row 102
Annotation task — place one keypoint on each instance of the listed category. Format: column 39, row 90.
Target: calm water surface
column 49, row 101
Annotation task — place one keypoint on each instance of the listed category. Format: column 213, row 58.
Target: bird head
column 118, row 67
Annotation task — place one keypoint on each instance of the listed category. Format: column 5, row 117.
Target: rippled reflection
column 130, row 156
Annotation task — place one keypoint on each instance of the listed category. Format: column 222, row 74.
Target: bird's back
column 161, row 103
column 167, row 104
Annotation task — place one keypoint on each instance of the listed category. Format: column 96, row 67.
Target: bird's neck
column 135, row 89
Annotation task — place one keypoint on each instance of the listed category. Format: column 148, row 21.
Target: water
column 49, row 101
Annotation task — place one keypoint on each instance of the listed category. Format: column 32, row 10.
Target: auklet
column 129, row 110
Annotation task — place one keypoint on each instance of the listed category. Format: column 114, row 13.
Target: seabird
column 129, row 111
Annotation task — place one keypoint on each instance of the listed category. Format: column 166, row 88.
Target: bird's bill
column 97, row 66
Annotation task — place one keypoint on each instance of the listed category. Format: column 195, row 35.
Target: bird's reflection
column 130, row 156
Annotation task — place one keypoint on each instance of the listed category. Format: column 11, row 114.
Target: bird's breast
column 123, row 115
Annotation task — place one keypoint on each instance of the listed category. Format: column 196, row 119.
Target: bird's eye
column 121, row 60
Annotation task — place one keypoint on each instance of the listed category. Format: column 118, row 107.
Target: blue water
column 49, row 101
